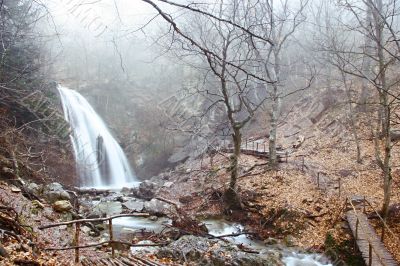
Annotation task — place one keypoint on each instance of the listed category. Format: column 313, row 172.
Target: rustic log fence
column 111, row 242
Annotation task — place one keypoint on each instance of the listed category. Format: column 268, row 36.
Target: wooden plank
column 366, row 235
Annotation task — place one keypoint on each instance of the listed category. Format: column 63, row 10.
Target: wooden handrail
column 94, row 220
column 383, row 221
column 107, row 242
column 77, row 230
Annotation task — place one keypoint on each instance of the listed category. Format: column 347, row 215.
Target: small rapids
column 220, row 227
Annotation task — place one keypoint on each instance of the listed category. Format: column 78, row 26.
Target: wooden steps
column 120, row 261
column 365, row 235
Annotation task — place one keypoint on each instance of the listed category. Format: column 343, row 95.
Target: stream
column 219, row 227
column 101, row 163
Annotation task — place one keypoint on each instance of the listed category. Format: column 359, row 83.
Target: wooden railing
column 384, row 224
column 77, row 224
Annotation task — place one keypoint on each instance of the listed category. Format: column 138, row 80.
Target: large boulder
column 55, row 192
column 34, row 188
column 144, row 250
column 107, row 208
column 156, row 206
column 146, row 190
column 62, row 206
column 134, row 205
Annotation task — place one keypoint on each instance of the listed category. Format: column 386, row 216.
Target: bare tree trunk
column 384, row 107
column 366, row 65
column 275, row 106
column 352, row 118
column 232, row 199
column 273, row 129
column 387, row 187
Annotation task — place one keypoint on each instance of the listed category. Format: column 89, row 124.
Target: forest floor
column 288, row 203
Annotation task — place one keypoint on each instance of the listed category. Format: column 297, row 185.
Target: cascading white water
column 100, row 160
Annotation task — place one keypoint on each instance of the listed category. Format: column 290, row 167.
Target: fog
column 157, row 66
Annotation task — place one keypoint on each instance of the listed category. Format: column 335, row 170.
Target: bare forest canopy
column 174, row 79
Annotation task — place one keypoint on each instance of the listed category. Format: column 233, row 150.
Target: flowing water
column 221, row 227
column 100, row 160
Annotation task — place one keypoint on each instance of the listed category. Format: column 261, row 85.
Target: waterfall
column 100, row 160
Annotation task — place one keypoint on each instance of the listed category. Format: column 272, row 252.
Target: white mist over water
column 100, row 160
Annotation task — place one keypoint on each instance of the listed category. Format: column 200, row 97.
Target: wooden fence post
column 77, row 229
column 302, row 165
column 257, row 147
column 318, row 179
column 246, row 144
column 356, row 236
column 370, row 254
column 357, row 222
column 340, row 187
column 286, row 156
column 364, row 206
column 111, row 237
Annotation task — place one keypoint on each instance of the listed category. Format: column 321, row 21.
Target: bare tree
column 227, row 61
column 277, row 21
column 373, row 23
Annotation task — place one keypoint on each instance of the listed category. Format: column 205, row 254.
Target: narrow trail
column 369, row 244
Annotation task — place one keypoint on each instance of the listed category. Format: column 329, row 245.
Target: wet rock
column 34, row 188
column 119, row 198
column 54, row 187
column 156, row 206
column 96, row 198
column 146, row 190
column 289, row 241
column 86, row 229
column 144, row 250
column 271, row 241
column 108, row 208
column 125, row 190
column 104, row 238
column 134, row 205
column 153, row 218
column 101, row 227
column 93, row 216
column 55, row 192
column 192, row 249
column 62, row 206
